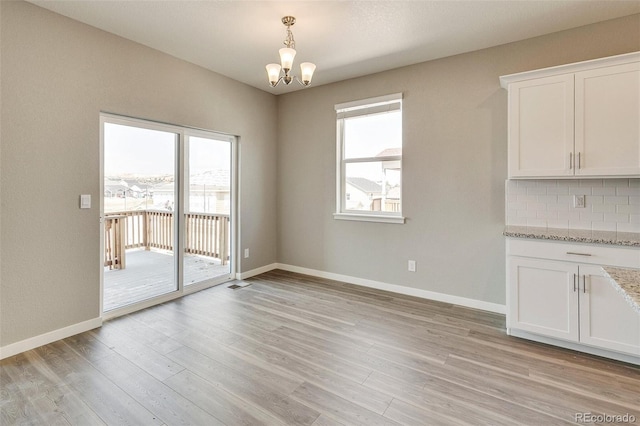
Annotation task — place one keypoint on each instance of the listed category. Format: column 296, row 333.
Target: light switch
column 85, row 201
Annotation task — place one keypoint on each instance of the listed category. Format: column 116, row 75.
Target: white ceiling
column 345, row 39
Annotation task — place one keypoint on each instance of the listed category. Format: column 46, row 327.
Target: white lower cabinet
column 606, row 319
column 569, row 301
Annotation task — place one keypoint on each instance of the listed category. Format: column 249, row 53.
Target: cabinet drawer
column 574, row 252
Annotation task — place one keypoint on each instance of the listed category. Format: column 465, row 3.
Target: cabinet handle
column 578, row 254
column 584, row 283
column 574, row 283
column 570, row 160
column 579, row 160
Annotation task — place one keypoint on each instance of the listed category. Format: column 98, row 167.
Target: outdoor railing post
column 224, row 224
column 122, row 242
column 147, row 231
column 108, row 250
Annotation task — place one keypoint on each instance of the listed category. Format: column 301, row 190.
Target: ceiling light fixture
column 286, row 59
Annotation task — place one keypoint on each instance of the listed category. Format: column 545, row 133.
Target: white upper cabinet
column 541, row 127
column 576, row 120
column 608, row 121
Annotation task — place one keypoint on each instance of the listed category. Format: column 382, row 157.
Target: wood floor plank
column 551, row 355
column 145, row 335
column 227, row 407
column 338, row 408
column 291, row 349
column 350, row 390
column 545, row 397
column 284, row 383
column 108, row 401
column 252, row 389
column 470, row 406
column 411, row 415
column 87, row 346
column 70, row 403
column 348, row 368
column 324, row 420
column 168, row 405
column 27, row 393
column 140, row 354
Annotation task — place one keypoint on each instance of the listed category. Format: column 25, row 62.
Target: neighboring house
column 122, row 188
column 360, row 192
column 115, row 188
column 209, row 192
column 391, row 200
column 365, row 194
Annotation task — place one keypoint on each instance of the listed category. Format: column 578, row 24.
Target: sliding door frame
column 181, row 168
column 232, row 140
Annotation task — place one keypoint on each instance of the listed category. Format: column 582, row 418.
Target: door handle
column 579, row 161
column 574, row 283
column 570, row 160
column 584, row 284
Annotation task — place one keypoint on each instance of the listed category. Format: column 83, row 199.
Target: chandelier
column 286, row 59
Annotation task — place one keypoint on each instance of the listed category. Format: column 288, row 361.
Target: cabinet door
column 542, row 297
column 541, row 115
column 607, row 133
column 606, row 319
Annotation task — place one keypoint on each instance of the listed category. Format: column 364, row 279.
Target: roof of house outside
column 365, row 185
column 390, row 152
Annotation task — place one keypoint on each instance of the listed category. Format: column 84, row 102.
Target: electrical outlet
column 578, row 201
column 412, row 266
column 246, row 253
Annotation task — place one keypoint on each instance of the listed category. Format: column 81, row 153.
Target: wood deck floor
column 151, row 273
column 295, row 350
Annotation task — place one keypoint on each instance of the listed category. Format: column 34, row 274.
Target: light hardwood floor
column 295, row 350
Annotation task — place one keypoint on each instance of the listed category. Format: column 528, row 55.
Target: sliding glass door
column 207, row 208
column 167, row 211
column 139, row 223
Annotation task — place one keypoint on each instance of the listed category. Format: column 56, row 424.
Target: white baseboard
column 394, row 288
column 46, row 338
column 257, row 271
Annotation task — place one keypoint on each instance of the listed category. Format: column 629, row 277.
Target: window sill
column 369, row 218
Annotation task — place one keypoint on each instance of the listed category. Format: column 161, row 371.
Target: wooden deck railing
column 205, row 234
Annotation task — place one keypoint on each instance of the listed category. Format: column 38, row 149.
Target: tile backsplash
column 610, row 204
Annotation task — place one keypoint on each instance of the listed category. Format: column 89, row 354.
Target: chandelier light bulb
column 306, row 72
column 273, row 71
column 286, row 57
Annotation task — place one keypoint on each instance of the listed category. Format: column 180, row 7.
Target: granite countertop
column 630, row 239
column 627, row 282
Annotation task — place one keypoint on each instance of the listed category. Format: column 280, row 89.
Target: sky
column 138, row 151
column 367, row 136
column 133, row 150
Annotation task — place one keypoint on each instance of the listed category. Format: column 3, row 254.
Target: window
column 369, row 155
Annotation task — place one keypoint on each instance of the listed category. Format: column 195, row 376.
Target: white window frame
column 353, row 109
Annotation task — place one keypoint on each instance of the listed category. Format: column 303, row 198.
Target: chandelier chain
column 289, row 41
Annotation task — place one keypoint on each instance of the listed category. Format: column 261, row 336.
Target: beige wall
column 454, row 166
column 56, row 76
